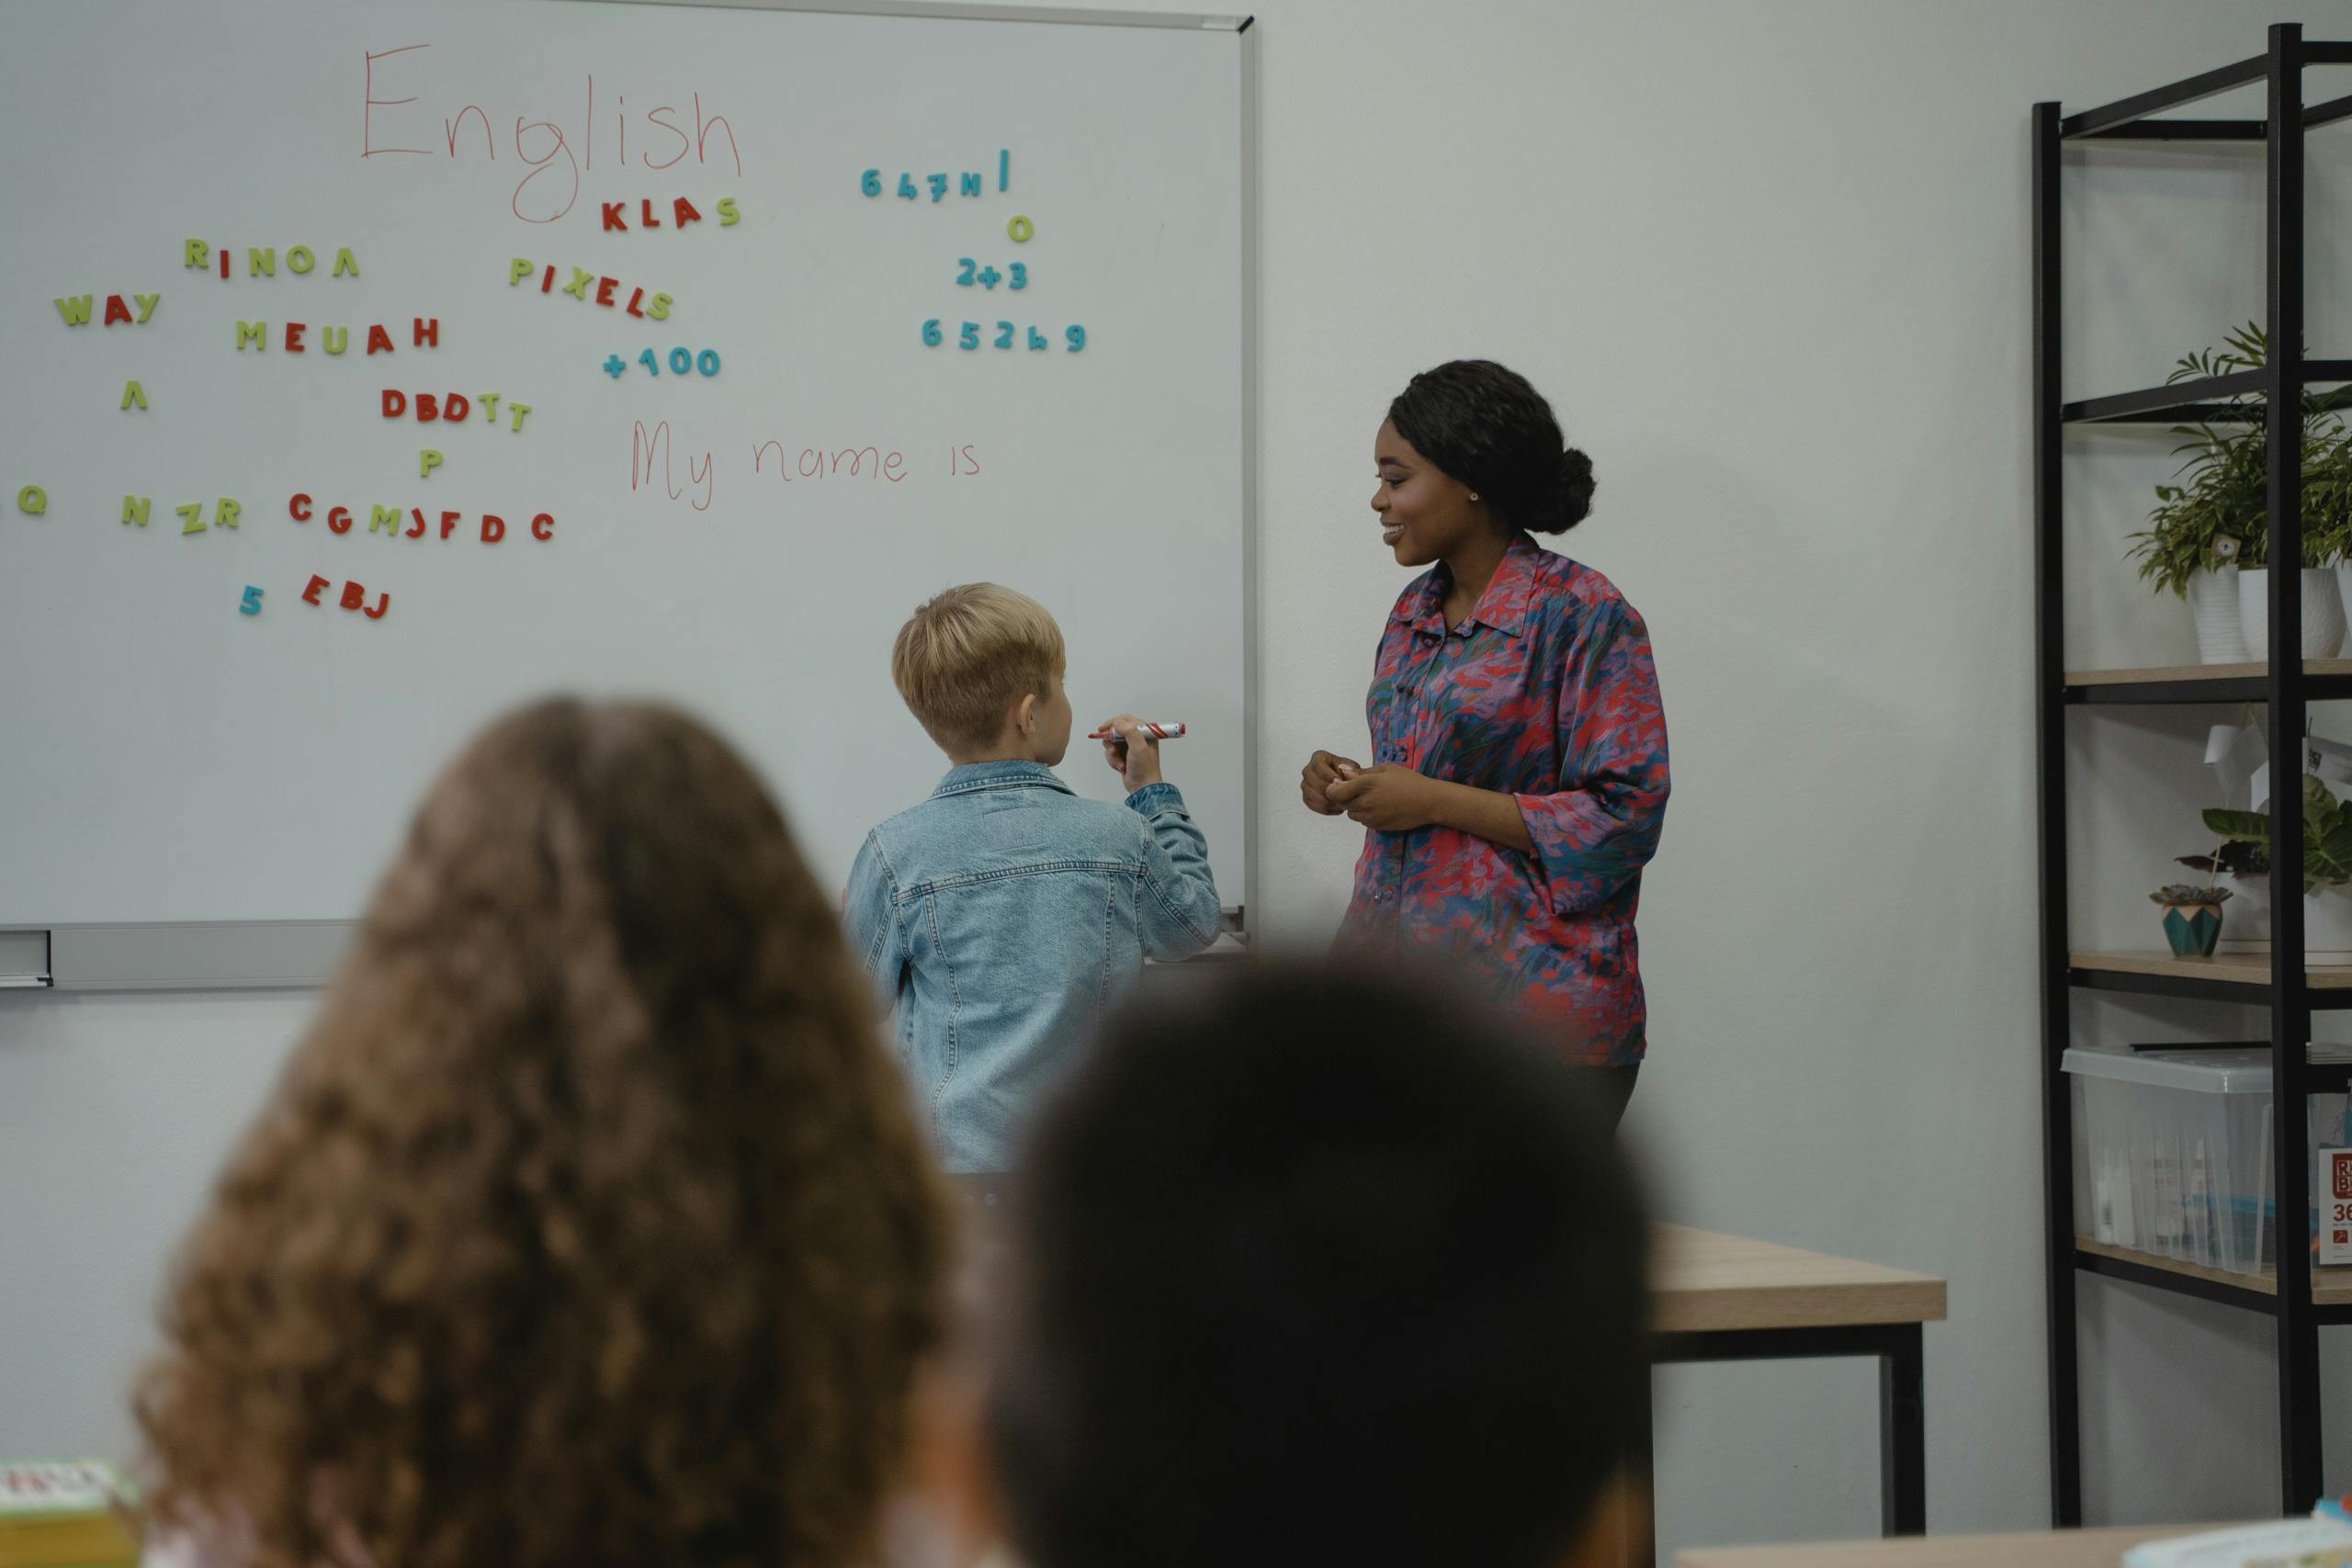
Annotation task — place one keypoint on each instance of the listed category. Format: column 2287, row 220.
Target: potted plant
column 2327, row 866
column 2248, row 868
column 2208, row 535
column 2192, row 918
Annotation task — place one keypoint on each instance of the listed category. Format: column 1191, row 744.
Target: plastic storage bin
column 2172, row 1154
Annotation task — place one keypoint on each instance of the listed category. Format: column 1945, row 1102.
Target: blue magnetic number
column 1020, row 274
column 647, row 360
column 1005, row 334
column 931, row 332
column 707, row 362
column 964, row 278
column 907, row 186
column 870, row 182
column 615, row 365
column 251, row 604
column 681, row 362
column 938, row 185
column 1038, row 339
column 971, row 183
column 971, row 338
column 1077, row 336
column 990, row 277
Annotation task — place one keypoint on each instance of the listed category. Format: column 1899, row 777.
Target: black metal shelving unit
column 2284, row 683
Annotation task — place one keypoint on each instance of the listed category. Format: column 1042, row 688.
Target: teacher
column 1518, row 776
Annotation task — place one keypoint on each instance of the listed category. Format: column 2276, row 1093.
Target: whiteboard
column 746, row 542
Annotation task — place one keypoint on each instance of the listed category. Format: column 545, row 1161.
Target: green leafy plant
column 2327, row 834
column 2232, row 859
column 2217, row 510
column 2183, row 895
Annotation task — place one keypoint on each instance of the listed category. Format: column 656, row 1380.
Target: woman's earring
column 1474, row 495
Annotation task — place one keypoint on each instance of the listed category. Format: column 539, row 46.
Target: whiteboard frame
column 302, row 955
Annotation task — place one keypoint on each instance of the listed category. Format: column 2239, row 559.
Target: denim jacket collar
column 1010, row 773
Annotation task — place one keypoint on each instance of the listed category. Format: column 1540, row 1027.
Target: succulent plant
column 2187, row 893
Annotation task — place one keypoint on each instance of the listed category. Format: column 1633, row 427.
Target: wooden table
column 1724, row 1298
column 2043, row 1548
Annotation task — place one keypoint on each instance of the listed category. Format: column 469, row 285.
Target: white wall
column 1770, row 260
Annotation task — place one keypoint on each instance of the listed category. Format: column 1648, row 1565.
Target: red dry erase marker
column 1168, row 731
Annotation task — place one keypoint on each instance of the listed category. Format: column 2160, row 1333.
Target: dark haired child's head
column 1320, row 1266
column 1471, row 445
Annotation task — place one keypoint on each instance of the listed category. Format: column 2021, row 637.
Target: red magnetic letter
column 681, row 212
column 378, row 340
column 383, row 602
column 115, row 310
column 310, row 594
column 647, row 220
column 493, row 528
column 428, row 408
column 454, row 406
column 604, row 286
column 353, row 595
column 613, row 218
column 428, row 332
column 339, row 520
column 395, row 403
column 417, row 532
column 543, row 527
column 633, row 299
column 294, row 330
column 299, row 508
column 449, row 521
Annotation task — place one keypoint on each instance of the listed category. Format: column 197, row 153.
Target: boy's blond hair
column 968, row 655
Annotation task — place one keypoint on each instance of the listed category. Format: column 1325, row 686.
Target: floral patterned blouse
column 1546, row 692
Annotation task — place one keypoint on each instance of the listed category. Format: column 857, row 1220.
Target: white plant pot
column 2246, row 919
column 2327, row 927
column 2322, row 612
column 2221, row 636
column 2246, row 922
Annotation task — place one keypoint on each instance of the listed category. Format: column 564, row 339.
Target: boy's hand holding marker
column 1131, row 746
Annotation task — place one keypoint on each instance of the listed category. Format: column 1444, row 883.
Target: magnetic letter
column 453, row 407
column 299, row 260
column 194, row 252
column 147, row 303
column 578, row 286
column 681, row 212
column 604, row 286
column 310, row 594
column 76, row 310
column 225, row 512
column 387, row 518
column 293, row 340
column 339, row 519
column 631, row 307
column 488, row 401
column 426, row 461
column 345, row 262
column 543, row 527
column 134, row 509
column 259, row 261
column 428, row 408
column 115, row 310
column 517, row 270
column 257, row 333
column 298, row 507
column 334, row 340
column 613, row 218
column 648, row 221
column 132, row 392
column 32, row 501
column 428, row 330
column 191, row 517
column 660, row 309
column 449, row 521
column 726, row 213
column 417, row 514
column 354, row 596
column 378, row 340
column 493, row 528
column 518, row 410
column 395, row 403
column 383, row 602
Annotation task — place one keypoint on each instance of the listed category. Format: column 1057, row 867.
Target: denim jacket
column 1003, row 916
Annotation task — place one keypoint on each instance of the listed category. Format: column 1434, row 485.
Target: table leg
column 1639, row 1547
column 1903, row 1434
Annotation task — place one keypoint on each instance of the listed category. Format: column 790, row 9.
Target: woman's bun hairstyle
column 1487, row 427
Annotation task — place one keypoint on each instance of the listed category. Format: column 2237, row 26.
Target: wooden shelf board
column 2251, row 970
column 2174, row 672
column 2330, row 1287
column 1706, row 1282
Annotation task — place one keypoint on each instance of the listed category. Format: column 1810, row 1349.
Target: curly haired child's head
column 589, row 1221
